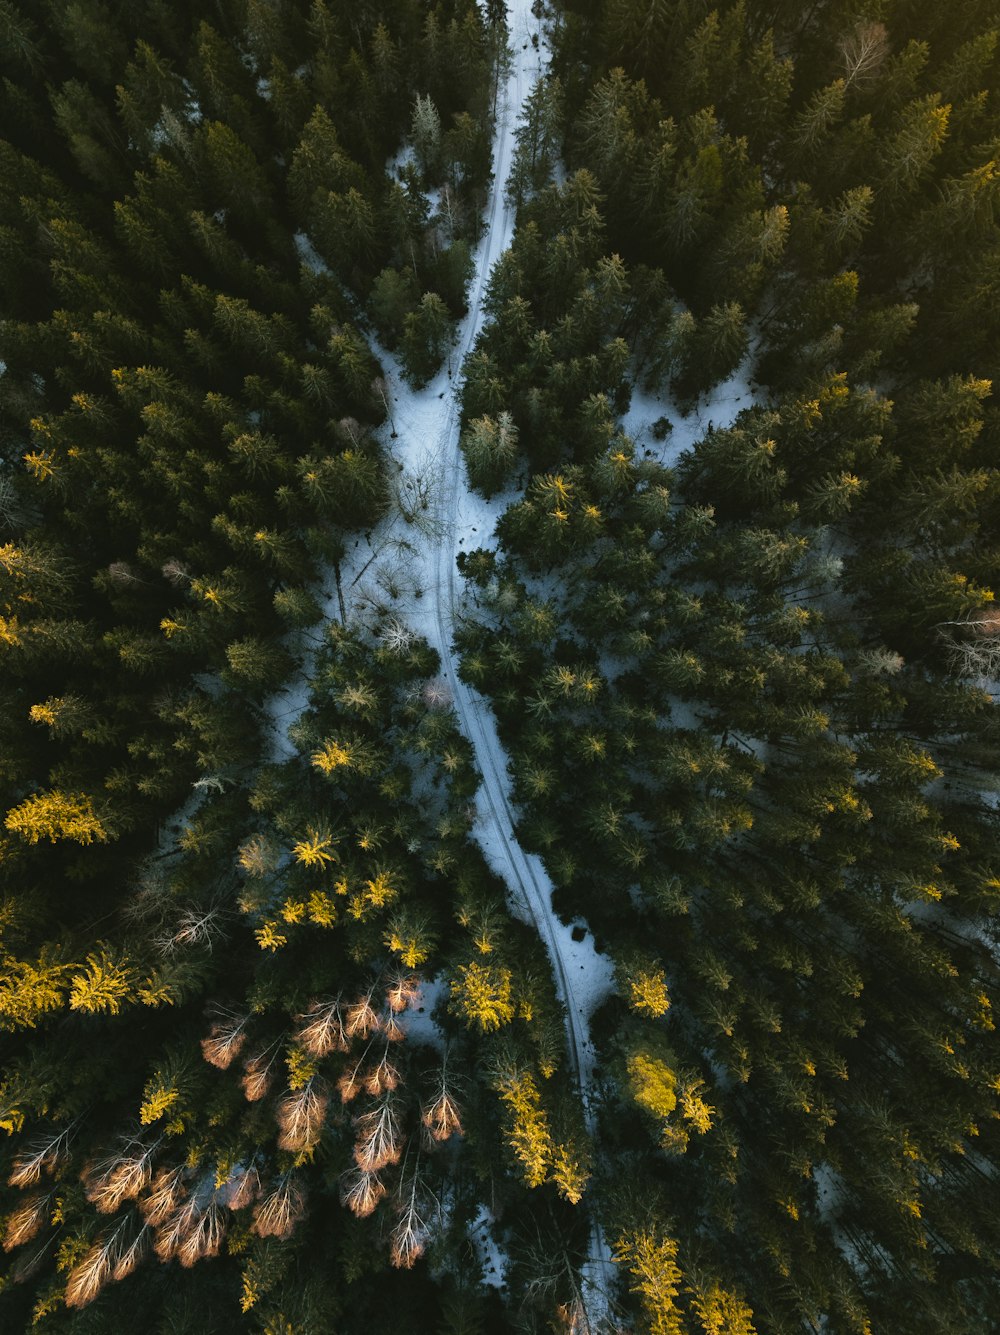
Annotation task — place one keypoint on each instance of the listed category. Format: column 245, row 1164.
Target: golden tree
column 652, row 1262
column 57, row 815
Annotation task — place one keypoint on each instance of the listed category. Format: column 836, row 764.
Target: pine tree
column 490, row 448
column 425, row 338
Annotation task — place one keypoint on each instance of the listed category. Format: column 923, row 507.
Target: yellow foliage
column 41, row 464
column 10, row 632
column 653, row 1083
column 28, row 991
column 56, row 815
column 268, row 936
column 648, row 992
column 483, row 994
column 322, row 909
column 316, row 850
column 568, row 1174
column 722, row 1313
column 694, row 1109
column 529, row 1135
column 380, row 891
column 158, row 1099
column 104, row 988
column 332, row 756
column 652, row 1262
column 301, row 1068
column 409, row 948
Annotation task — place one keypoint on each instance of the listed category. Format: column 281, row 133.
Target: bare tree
column 362, row 1018
column 403, row 991
column 241, row 1188
column 226, row 1038
column 361, row 1191
column 42, row 1155
column 281, row 1209
column 300, row 1115
column 322, row 1028
column 26, row 1220
column 194, row 1230
column 166, row 1192
column 90, row 1274
column 382, row 392
column 258, row 1074
column 112, row 1257
column 119, row 1177
column 976, row 654
column 381, row 1076
column 396, row 637
column 863, row 52
column 379, row 1141
column 408, row 1240
column 440, row 1117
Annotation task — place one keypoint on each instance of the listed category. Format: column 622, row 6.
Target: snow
column 492, row 1259
column 417, row 1020
column 829, row 1198
column 717, row 409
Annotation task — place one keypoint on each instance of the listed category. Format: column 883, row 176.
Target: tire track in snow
column 525, row 876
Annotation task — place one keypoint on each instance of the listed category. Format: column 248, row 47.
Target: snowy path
column 417, row 547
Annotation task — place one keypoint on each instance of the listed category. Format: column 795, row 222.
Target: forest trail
column 439, row 517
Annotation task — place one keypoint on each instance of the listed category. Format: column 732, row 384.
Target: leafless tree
column 281, row 1208
column 863, row 52
column 24, row 1222
column 381, row 1076
column 321, row 1028
column 976, row 653
column 112, row 1257
column 403, row 991
column 258, row 1073
column 226, row 1038
column 361, row 1191
column 300, row 1115
column 166, row 1192
column 379, row 1139
column 362, row 1018
column 194, row 1230
column 119, row 1177
column 382, row 392
column 241, row 1188
column 408, row 1240
column 396, row 637
column 42, row 1155
column 440, row 1117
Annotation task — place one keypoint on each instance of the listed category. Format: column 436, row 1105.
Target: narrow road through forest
column 524, row 873
column 416, row 548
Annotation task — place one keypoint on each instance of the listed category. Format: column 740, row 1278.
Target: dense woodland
column 749, row 700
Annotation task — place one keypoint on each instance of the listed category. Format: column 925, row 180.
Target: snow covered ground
column 717, row 409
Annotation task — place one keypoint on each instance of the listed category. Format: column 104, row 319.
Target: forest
column 283, row 1050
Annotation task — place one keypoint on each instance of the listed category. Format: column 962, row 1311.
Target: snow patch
column 716, row 410
column 492, row 1258
column 417, row 1020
